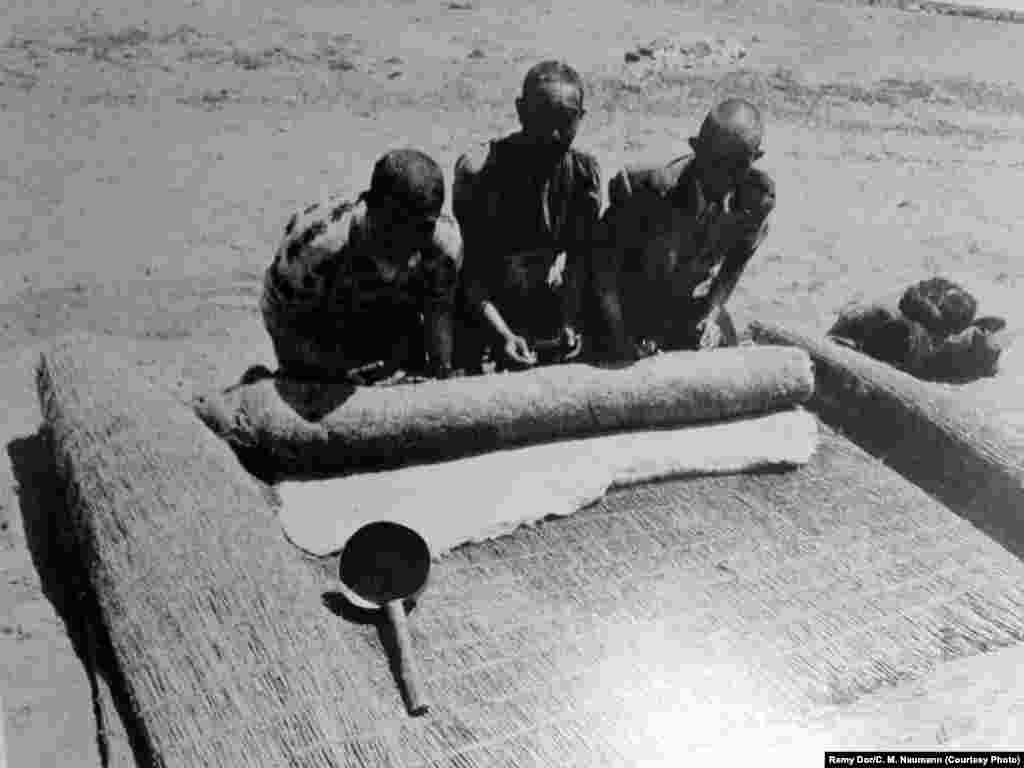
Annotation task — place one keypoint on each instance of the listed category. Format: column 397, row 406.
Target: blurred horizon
column 999, row 5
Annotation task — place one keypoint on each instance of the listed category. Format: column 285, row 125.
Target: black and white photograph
column 489, row 384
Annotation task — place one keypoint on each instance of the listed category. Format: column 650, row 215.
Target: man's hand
column 755, row 195
column 710, row 333
column 573, row 343
column 395, row 378
column 556, row 272
column 646, row 348
column 518, row 350
column 367, row 374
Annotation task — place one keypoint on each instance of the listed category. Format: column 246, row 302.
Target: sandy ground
column 1013, row 5
column 154, row 150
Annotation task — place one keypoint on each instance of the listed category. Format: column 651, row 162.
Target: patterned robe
column 328, row 308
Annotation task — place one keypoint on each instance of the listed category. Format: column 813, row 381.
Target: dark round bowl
column 384, row 561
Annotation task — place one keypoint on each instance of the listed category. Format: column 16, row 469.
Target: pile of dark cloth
column 933, row 333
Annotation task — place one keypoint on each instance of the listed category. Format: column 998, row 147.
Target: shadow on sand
column 66, row 586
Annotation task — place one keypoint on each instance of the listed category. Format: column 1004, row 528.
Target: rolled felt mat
column 944, row 440
column 290, row 428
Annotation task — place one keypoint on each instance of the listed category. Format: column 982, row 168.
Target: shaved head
column 550, row 108
column 411, row 178
column 542, row 77
column 734, row 125
column 728, row 144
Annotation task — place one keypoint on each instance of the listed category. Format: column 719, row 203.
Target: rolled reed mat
column 288, row 428
column 188, row 568
column 949, row 443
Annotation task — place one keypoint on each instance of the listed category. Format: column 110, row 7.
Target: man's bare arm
column 747, row 228
column 610, row 340
column 516, row 347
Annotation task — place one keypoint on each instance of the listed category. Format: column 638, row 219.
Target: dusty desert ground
column 154, row 149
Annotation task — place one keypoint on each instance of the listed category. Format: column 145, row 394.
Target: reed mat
column 954, row 445
column 699, row 614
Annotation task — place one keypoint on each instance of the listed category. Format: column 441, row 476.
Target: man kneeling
column 675, row 240
column 365, row 289
column 527, row 206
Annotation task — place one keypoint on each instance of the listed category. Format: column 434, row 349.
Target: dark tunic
column 666, row 257
column 516, row 216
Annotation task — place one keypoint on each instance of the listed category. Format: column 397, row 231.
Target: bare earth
column 153, row 152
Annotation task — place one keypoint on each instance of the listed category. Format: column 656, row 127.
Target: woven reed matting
column 955, row 446
column 663, row 618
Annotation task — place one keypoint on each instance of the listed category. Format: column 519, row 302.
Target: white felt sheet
column 485, row 496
